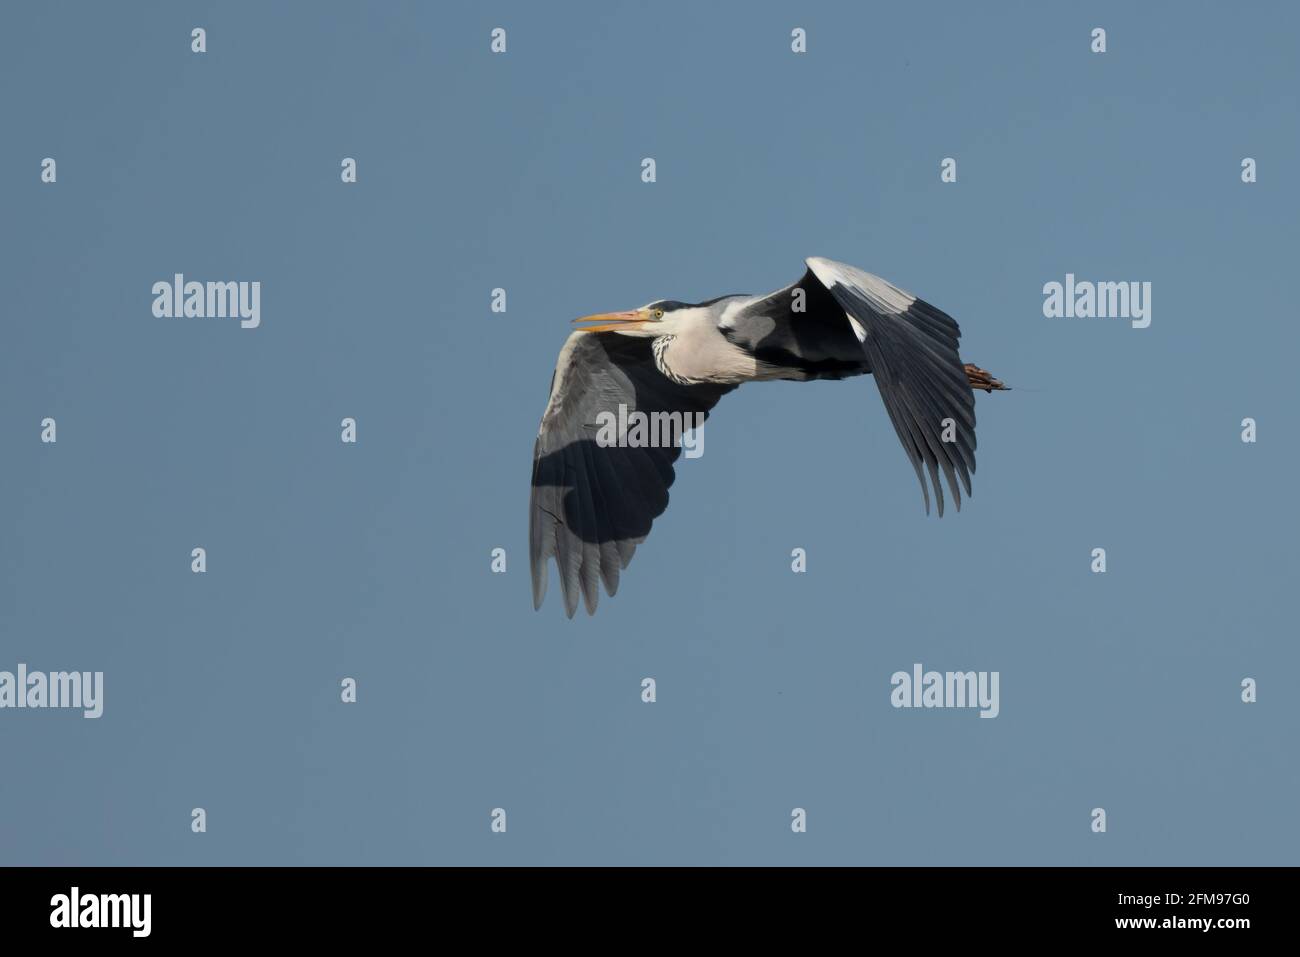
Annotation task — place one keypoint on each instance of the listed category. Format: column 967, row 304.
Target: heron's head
column 654, row 319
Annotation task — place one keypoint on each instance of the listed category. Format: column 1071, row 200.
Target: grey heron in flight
column 594, row 501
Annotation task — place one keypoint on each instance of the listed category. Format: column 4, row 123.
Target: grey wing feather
column 912, row 349
column 592, row 504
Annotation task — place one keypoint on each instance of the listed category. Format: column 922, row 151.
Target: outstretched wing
column 912, row 349
column 593, row 503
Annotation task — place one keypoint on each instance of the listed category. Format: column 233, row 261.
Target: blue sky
column 522, row 171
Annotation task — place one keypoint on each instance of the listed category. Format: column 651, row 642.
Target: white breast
column 702, row 354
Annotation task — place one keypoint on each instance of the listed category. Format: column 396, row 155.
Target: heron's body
column 593, row 503
column 718, row 346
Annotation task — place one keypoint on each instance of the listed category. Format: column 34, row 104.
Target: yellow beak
column 613, row 321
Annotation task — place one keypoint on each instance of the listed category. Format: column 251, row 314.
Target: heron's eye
column 659, row 313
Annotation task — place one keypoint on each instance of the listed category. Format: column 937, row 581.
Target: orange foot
column 979, row 379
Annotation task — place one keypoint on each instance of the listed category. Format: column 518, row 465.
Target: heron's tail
column 980, row 379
